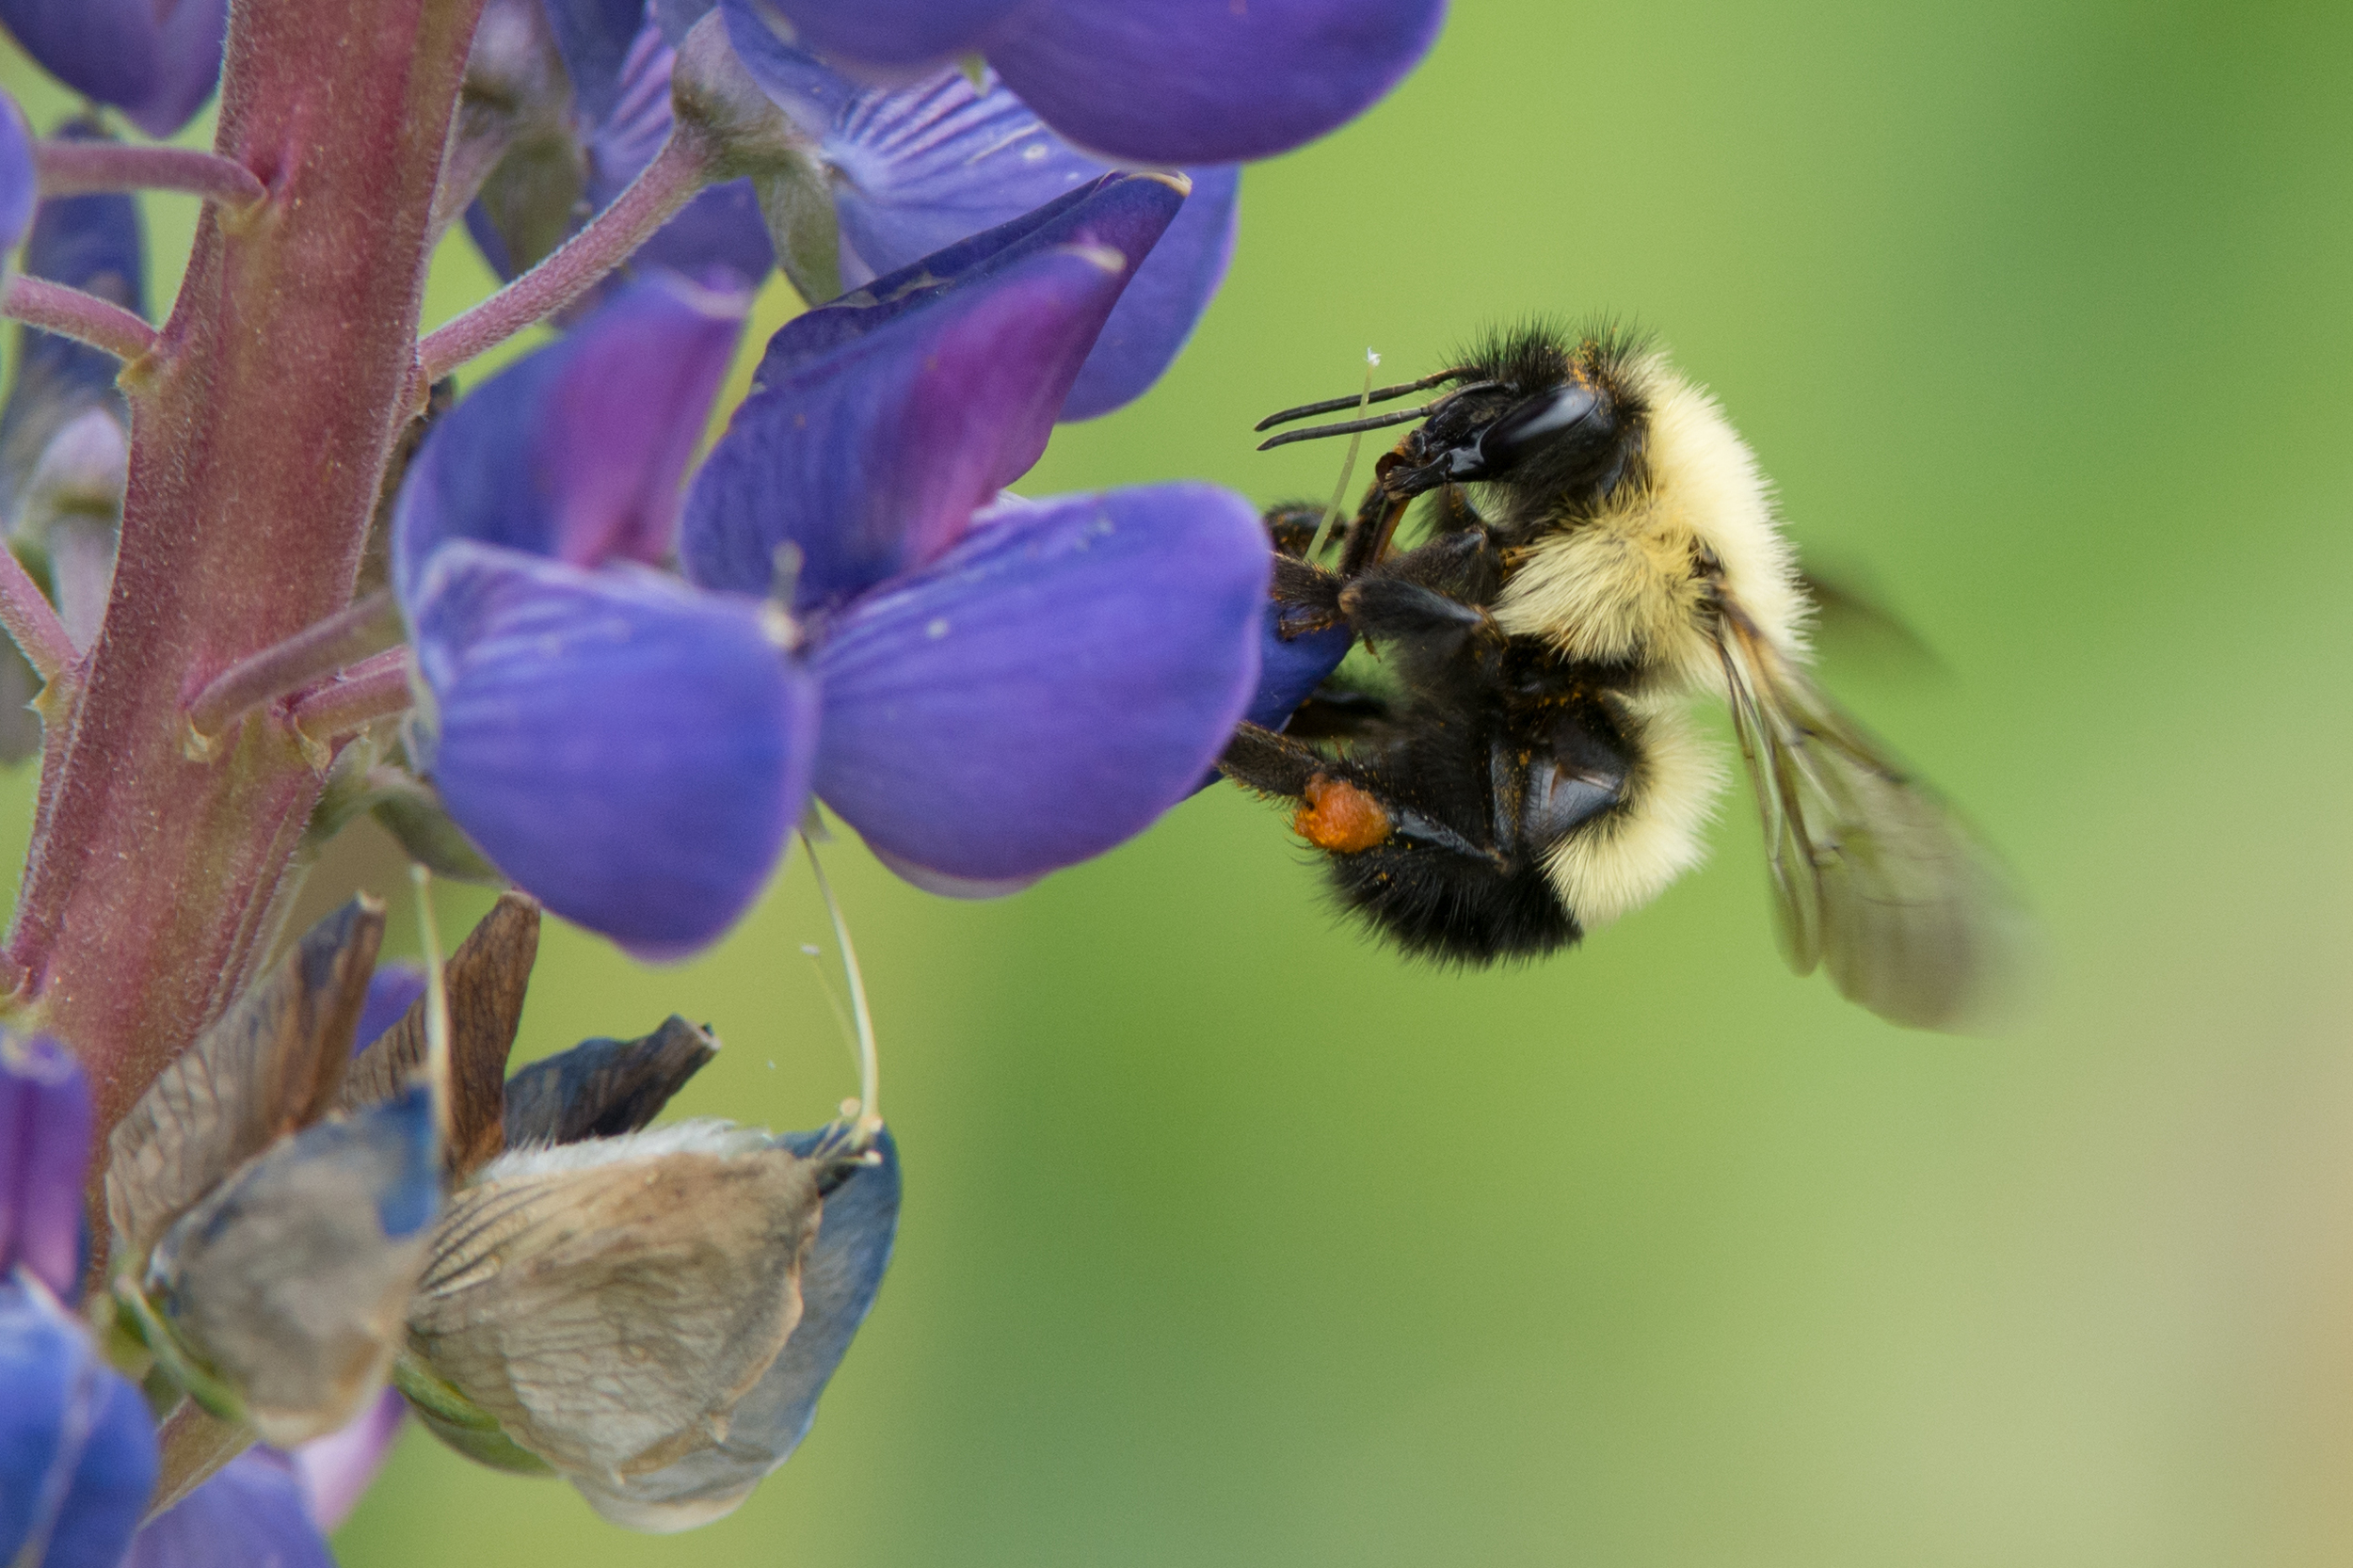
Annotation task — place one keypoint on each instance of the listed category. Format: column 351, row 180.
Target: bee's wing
column 1874, row 877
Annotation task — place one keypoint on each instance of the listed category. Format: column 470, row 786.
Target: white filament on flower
column 436, row 1001
column 869, row 1063
column 1348, row 466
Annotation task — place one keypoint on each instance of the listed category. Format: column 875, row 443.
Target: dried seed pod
column 288, row 1282
column 604, row 1088
column 271, row 1065
column 607, row 1304
column 487, row 978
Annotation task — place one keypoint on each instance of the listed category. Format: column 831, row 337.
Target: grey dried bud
column 607, row 1304
column 288, row 1284
column 604, row 1088
column 743, row 132
column 270, row 1065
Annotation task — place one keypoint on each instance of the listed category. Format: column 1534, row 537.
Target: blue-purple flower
column 1154, row 81
column 77, row 1450
column 987, row 689
column 156, row 60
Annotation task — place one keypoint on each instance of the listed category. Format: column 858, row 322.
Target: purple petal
column 77, row 1448
column 575, row 452
column 250, row 1514
column 20, row 186
column 391, row 991
column 892, row 35
column 596, row 38
column 879, row 425
column 156, row 60
column 629, row 751
column 336, row 1469
column 44, row 1160
column 1290, row 668
column 1050, row 686
column 920, row 167
column 1209, row 81
column 1172, row 288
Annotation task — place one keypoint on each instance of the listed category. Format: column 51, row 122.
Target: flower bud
column 716, row 100
column 77, row 1451
column 45, row 1154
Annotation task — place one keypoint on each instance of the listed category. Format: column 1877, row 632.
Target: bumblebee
column 1601, row 551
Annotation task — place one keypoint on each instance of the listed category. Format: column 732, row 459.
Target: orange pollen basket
column 1339, row 816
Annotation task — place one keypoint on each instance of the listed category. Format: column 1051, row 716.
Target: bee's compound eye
column 1532, row 424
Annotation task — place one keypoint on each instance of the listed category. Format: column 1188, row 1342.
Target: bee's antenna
column 1379, row 394
column 1348, row 427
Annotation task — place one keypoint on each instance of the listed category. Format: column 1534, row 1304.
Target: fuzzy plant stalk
column 261, row 422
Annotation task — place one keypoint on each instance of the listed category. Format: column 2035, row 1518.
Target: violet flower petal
column 878, row 424
column 919, row 167
column 391, row 991
column 890, row 34
column 156, row 60
column 77, row 1448
column 1050, row 686
column 1208, row 81
column 19, row 183
column 44, row 1160
column 251, row 1513
column 1173, row 286
column 631, row 752
column 575, row 451
column 338, row 1469
column 596, row 38
column 1290, row 668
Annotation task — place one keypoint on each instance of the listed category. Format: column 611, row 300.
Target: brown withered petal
column 604, row 1088
column 271, row 1065
column 486, row 978
column 609, row 1302
column 290, row 1280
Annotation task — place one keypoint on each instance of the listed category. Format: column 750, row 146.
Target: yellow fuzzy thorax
column 1632, row 585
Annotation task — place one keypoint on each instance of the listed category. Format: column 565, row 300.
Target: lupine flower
column 985, row 693
column 156, row 60
column 65, row 432
column 1172, row 82
column 77, row 1450
column 20, row 186
column 612, row 100
column 915, row 167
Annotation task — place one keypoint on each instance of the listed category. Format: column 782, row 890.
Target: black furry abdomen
column 1444, row 906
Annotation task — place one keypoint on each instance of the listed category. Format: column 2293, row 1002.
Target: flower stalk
column 83, row 317
column 80, row 168
column 315, row 652
column 25, row 610
column 681, row 169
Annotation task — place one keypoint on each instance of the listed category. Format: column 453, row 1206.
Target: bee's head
column 1532, row 412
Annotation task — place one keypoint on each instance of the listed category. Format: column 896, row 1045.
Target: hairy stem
column 78, row 167
column 311, row 654
column 261, row 423
column 83, row 317
column 25, row 611
column 374, row 689
column 681, row 169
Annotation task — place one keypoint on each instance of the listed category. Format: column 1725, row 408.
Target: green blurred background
column 1230, row 1239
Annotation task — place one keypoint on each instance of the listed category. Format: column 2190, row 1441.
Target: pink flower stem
column 370, row 690
column 681, row 169
column 25, row 612
column 263, row 416
column 83, row 317
column 318, row 649
column 77, row 168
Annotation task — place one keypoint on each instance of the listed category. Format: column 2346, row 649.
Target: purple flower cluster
column 633, row 673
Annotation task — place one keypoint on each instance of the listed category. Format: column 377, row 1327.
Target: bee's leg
column 1451, row 512
column 1465, row 566
column 1337, row 714
column 1410, row 840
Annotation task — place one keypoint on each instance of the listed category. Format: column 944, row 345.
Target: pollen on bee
column 1340, row 817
